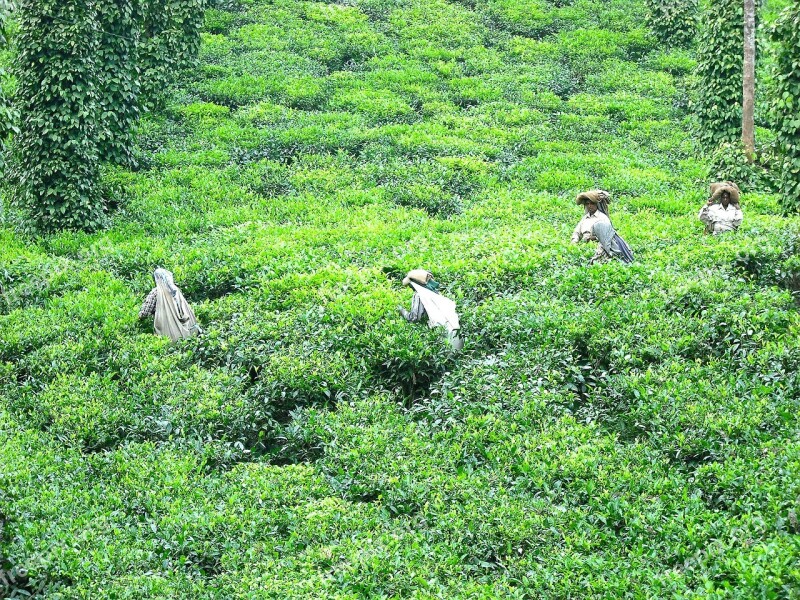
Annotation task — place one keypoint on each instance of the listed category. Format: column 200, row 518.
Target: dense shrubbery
column 673, row 21
column 120, row 57
column 777, row 265
column 787, row 35
column 608, row 431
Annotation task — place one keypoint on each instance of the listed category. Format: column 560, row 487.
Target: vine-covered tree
column 56, row 159
column 86, row 69
column 719, row 69
column 119, row 23
column 170, row 41
column 786, row 105
column 5, row 11
column 6, row 113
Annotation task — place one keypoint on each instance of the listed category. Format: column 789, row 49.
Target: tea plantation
column 608, row 431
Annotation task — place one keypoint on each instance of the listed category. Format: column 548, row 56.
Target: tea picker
column 173, row 317
column 722, row 212
column 440, row 311
column 595, row 226
column 595, row 204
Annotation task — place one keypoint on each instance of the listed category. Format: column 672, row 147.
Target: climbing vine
column 144, row 43
column 718, row 106
column 674, row 22
column 6, row 112
column 170, row 42
column 119, row 78
column 56, row 158
column 786, row 106
column 86, row 70
column 5, row 11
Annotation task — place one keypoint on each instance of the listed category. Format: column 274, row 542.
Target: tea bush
column 607, row 431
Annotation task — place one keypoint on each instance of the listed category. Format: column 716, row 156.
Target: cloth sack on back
column 612, row 242
column 441, row 311
column 174, row 317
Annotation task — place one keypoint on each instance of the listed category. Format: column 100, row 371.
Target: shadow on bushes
column 411, row 371
column 15, row 580
column 773, row 268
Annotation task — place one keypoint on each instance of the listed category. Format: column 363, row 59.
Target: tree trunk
column 749, row 79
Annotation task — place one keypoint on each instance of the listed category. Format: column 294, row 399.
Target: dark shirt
column 149, row 304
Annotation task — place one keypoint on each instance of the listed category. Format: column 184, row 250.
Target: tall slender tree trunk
column 749, row 79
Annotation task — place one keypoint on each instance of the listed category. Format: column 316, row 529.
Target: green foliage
column 613, row 431
column 56, row 154
column 674, row 22
column 169, row 43
column 729, row 163
column 778, row 265
column 718, row 104
column 6, row 7
column 218, row 21
column 118, row 74
column 786, row 34
column 7, row 118
column 124, row 54
column 119, row 78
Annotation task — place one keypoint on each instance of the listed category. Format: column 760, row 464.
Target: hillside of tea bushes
column 608, row 431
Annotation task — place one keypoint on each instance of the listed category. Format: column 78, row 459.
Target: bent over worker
column 173, row 317
column 595, row 226
column 428, row 302
column 592, row 203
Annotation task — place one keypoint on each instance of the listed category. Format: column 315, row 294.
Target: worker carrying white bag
column 440, row 311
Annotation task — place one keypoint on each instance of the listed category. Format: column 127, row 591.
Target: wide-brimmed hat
column 419, row 276
column 596, row 196
column 717, row 189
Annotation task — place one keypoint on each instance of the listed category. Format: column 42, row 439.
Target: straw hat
column 717, row 189
column 596, row 196
column 418, row 276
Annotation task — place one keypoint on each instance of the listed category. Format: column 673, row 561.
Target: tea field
column 608, row 431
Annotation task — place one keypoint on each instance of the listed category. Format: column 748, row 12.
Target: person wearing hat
column 592, row 202
column 595, row 226
column 722, row 212
column 425, row 279
column 428, row 302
